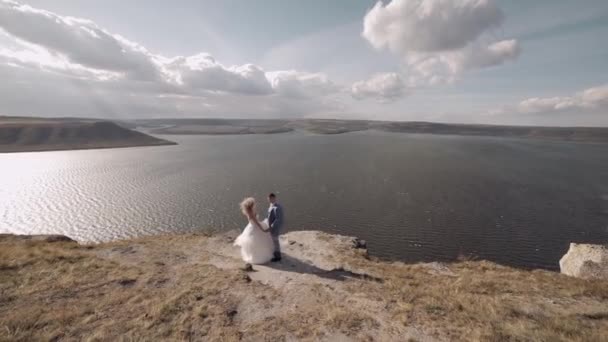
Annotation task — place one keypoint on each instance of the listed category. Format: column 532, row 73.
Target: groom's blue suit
column 275, row 221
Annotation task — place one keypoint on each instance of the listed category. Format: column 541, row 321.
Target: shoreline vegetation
column 327, row 126
column 193, row 287
column 20, row 134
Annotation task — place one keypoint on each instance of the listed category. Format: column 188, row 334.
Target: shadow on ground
column 293, row 264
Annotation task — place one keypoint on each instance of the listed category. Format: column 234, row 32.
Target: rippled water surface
column 412, row 197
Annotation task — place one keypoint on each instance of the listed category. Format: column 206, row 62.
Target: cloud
column 384, row 87
column 589, row 101
column 80, row 41
column 482, row 56
column 297, row 84
column 23, row 55
column 42, row 51
column 439, row 39
column 203, row 72
column 80, row 47
column 429, row 25
column 547, row 104
column 31, row 92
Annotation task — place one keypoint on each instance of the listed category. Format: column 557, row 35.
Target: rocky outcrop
column 585, row 261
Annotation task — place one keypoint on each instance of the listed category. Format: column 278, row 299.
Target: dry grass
column 487, row 302
column 163, row 288
column 60, row 290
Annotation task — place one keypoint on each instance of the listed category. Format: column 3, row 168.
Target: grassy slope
column 171, row 288
column 34, row 134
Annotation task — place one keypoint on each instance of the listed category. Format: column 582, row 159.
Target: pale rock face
column 585, row 261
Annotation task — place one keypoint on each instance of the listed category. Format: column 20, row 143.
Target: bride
column 255, row 241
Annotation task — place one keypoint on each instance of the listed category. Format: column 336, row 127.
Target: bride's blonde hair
column 247, row 206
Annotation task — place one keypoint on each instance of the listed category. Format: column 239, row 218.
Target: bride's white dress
column 256, row 245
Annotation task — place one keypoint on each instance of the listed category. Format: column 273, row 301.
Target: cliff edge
column 193, row 287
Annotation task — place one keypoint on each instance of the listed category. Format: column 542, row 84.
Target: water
column 412, row 197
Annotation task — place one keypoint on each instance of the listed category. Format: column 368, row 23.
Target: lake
column 412, row 197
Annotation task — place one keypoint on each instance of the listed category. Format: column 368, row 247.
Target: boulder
column 359, row 244
column 585, row 261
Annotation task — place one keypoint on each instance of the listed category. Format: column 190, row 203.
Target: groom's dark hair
column 272, row 195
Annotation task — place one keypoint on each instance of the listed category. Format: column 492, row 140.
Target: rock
column 126, row 282
column 40, row 238
column 231, row 313
column 57, row 238
column 439, row 268
column 585, row 261
column 358, row 243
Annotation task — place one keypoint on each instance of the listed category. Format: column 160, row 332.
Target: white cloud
column 297, row 84
column 595, row 97
column 60, row 42
column 439, row 39
column 203, row 72
column 80, row 41
column 384, row 87
column 539, row 104
column 24, row 55
column 403, row 26
column 117, row 74
column 481, row 56
column 591, row 100
column 79, row 45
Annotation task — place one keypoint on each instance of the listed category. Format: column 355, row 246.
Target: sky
column 542, row 62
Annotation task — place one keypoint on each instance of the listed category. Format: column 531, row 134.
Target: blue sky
column 515, row 62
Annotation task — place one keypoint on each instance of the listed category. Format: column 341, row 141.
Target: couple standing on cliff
column 259, row 241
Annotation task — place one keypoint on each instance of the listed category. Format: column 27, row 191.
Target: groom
column 275, row 221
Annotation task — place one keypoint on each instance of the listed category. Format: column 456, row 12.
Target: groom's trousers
column 275, row 239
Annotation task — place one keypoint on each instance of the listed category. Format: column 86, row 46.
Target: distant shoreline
column 40, row 135
column 325, row 127
column 32, row 134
